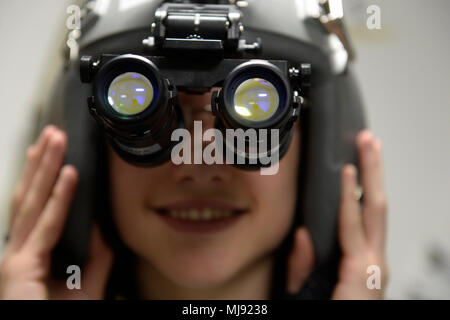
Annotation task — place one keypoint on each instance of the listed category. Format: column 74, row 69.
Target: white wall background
column 31, row 37
column 404, row 73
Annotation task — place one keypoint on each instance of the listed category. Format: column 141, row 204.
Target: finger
column 45, row 235
column 374, row 203
column 300, row 262
column 351, row 233
column 40, row 189
column 97, row 269
column 34, row 156
column 371, row 168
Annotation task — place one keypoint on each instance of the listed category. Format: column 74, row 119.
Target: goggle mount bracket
column 197, row 30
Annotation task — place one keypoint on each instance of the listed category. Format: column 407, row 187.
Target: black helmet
column 298, row 31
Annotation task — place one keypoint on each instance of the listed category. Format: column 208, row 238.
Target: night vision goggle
column 193, row 48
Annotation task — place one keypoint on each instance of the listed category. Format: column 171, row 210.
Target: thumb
column 300, row 261
column 98, row 266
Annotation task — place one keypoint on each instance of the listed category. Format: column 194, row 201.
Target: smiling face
column 200, row 225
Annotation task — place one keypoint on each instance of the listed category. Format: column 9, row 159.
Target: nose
column 197, row 108
column 201, row 175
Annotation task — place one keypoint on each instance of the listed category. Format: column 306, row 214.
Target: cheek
column 276, row 198
column 130, row 188
column 128, row 191
column 124, row 197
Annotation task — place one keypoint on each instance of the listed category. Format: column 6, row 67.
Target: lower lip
column 200, row 226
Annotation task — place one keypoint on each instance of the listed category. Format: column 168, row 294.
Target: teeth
column 193, row 214
column 207, row 214
column 200, row 214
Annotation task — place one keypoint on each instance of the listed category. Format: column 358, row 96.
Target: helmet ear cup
column 85, row 152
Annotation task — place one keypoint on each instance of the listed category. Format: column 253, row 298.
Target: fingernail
column 57, row 140
column 369, row 144
column 299, row 237
column 45, row 134
column 352, row 169
column 351, row 173
column 50, row 128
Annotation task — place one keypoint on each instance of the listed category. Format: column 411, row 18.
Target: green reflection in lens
column 256, row 100
column 130, row 93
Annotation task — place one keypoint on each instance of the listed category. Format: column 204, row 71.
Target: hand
column 361, row 230
column 40, row 205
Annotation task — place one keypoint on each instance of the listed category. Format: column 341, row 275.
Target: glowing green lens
column 130, row 93
column 256, row 100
